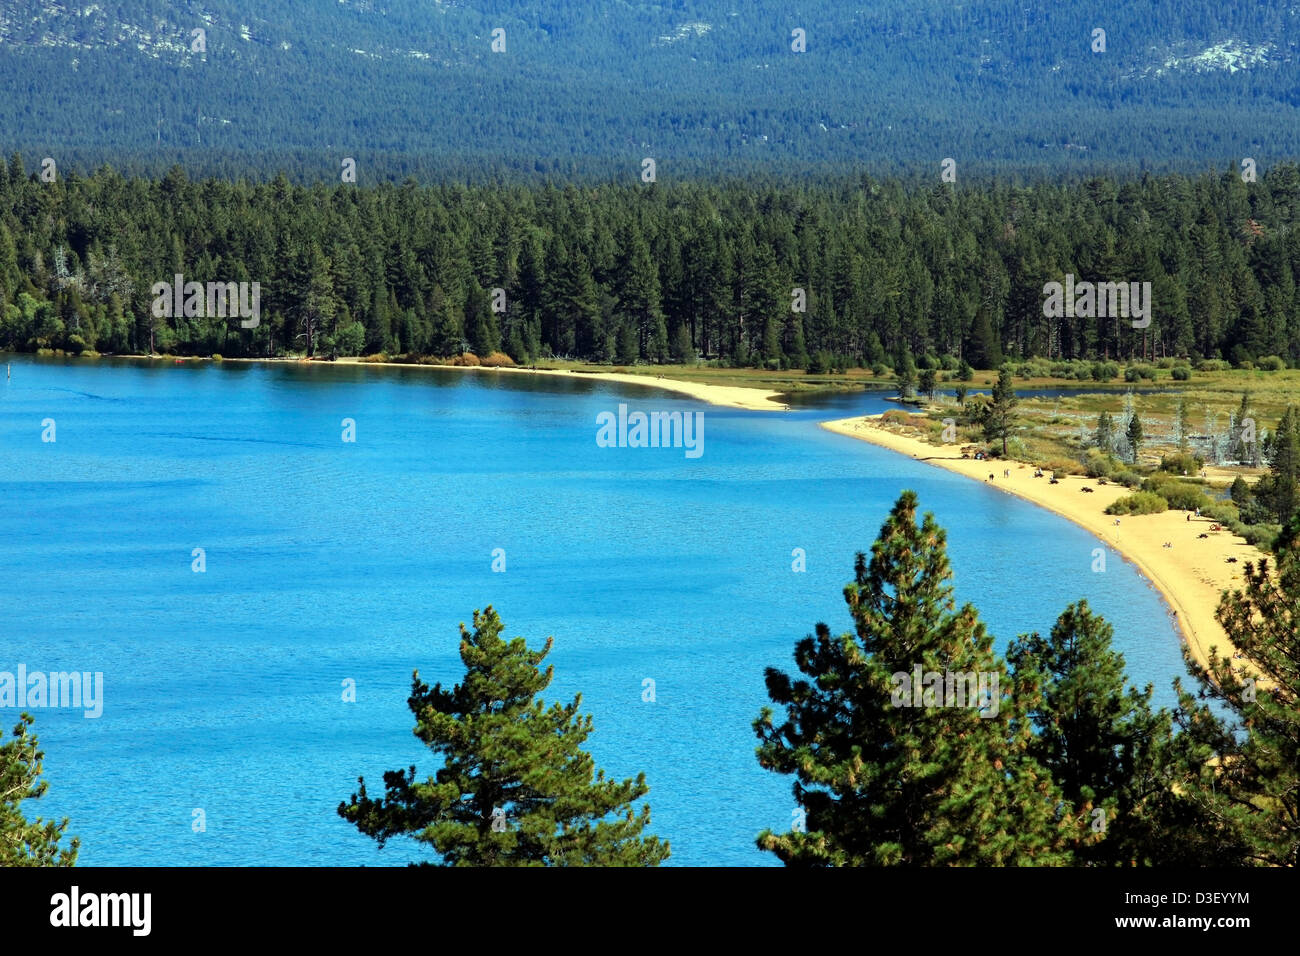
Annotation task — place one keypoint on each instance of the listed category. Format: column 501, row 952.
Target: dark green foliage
column 23, row 843
column 886, row 783
column 1279, row 490
column 515, row 788
column 926, row 383
column 616, row 273
column 1001, row 411
column 1252, row 791
column 1110, row 754
column 1134, row 435
column 1104, row 437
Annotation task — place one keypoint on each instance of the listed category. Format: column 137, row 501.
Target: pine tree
column 905, row 369
column 1001, row 410
column 1279, row 488
column 1253, row 787
column 927, row 382
column 1105, row 435
column 682, row 351
column 1134, row 435
column 23, row 843
column 1104, row 746
column 886, row 783
column 515, row 787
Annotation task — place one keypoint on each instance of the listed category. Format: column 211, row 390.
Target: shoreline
column 730, row 396
column 1189, row 577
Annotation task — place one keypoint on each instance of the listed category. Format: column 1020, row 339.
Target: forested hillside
column 587, row 90
column 654, row 272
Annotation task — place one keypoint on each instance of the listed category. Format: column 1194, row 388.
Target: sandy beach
column 1190, row 576
column 732, row 396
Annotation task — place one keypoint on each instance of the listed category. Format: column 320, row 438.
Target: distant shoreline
column 1190, row 576
column 732, row 396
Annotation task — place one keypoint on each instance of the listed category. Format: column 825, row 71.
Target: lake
column 328, row 561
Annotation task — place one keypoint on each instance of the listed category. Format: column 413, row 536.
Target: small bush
column 1141, row 503
column 1098, row 464
column 1129, row 479
column 1181, row 373
column 1165, row 363
column 498, row 360
column 1260, row 535
column 1179, row 464
column 1178, row 494
column 377, row 357
column 1224, row 512
column 1246, row 365
column 879, row 368
column 948, row 363
column 216, row 357
column 1212, row 365
column 1272, row 363
column 468, row 359
column 896, row 416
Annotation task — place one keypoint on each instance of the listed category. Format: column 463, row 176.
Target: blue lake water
column 328, row 561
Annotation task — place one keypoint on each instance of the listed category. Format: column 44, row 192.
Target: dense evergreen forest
column 629, row 271
column 581, row 89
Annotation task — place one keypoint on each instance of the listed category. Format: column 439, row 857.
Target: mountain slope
column 700, row 85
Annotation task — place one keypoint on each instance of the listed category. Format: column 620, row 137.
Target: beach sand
column 733, row 396
column 1190, row 576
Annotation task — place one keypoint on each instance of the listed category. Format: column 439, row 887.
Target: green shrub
column 878, row 369
column 948, row 363
column 1272, row 363
column 1260, row 535
column 1224, row 512
column 1129, row 479
column 1246, row 365
column 1180, row 464
column 1098, row 464
column 1165, row 363
column 1212, row 365
column 1178, row 495
column 1140, row 503
column 1181, row 373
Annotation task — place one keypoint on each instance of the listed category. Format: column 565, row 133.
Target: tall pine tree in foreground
column 1112, row 756
column 23, row 843
column 515, row 787
column 1251, row 786
column 886, row 783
